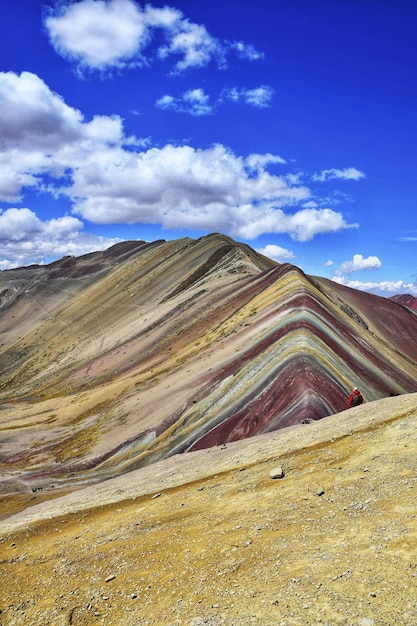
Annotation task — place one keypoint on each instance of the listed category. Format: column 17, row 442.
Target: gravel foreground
column 315, row 524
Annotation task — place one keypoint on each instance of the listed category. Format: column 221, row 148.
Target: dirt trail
column 210, row 539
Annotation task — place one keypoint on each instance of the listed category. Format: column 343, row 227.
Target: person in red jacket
column 355, row 398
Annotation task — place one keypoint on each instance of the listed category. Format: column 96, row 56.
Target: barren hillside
column 210, row 538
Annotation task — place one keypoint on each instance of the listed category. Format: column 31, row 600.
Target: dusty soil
column 209, row 538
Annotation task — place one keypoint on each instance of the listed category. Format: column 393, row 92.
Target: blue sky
column 288, row 125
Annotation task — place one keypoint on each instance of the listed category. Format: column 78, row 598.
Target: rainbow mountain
column 117, row 359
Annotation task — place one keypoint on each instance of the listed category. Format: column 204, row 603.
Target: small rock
column 277, row 472
column 111, row 577
column 319, row 491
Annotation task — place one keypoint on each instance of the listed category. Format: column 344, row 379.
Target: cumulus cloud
column 109, row 178
column 383, row 288
column 98, row 34
column 359, row 263
column 348, row 173
column 41, row 135
column 181, row 187
column 25, row 239
column 106, row 34
column 343, row 276
column 33, row 117
column 277, row 253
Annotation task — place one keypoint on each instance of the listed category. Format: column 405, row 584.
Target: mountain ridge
column 121, row 358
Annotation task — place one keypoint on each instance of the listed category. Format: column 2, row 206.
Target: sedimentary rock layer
column 117, row 359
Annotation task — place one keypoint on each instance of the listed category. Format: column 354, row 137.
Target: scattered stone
column 111, row 577
column 319, row 491
column 277, row 472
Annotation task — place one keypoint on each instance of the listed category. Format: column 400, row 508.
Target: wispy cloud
column 194, row 102
column 260, row 161
column 246, row 51
column 384, row 288
column 106, row 34
column 258, row 97
column 348, row 173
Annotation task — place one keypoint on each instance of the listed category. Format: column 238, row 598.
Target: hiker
column 355, row 398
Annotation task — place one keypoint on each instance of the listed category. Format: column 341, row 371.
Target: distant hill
column 406, row 299
column 117, row 359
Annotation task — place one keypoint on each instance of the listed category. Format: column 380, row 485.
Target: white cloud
column 260, row 161
column 383, row 288
column 359, row 263
column 33, row 117
column 277, row 253
column 246, row 51
column 259, row 97
column 181, row 187
column 194, row 44
column 106, row 34
column 194, row 101
column 98, row 34
column 40, row 134
column 110, row 178
column 348, row 173
column 25, row 239
column 343, row 273
column 307, row 223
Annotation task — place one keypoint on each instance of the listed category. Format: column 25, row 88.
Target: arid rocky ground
column 209, row 538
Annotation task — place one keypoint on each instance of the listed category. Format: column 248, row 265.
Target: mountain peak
column 118, row 359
